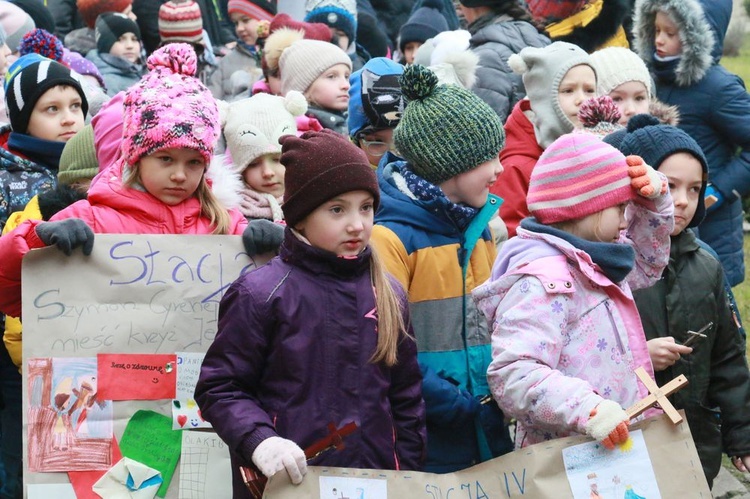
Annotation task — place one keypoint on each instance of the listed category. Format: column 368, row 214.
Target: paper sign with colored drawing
column 594, row 471
column 137, row 376
column 187, row 416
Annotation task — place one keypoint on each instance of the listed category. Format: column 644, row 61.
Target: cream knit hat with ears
column 303, row 61
column 617, row 65
column 253, row 126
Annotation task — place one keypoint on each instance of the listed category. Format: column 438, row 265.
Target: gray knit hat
column 543, row 69
column 617, row 65
column 445, row 130
column 304, row 60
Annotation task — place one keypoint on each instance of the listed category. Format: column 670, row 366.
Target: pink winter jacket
column 111, row 208
column 564, row 336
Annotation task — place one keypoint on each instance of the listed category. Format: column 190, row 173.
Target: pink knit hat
column 169, row 108
column 577, row 175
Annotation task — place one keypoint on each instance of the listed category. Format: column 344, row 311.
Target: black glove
column 262, row 236
column 67, row 235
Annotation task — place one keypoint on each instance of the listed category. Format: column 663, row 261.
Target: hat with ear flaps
column 655, row 142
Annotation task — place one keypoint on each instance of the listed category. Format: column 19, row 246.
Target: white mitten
column 608, row 424
column 275, row 454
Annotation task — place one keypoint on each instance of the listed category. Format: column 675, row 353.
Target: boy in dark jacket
column 690, row 296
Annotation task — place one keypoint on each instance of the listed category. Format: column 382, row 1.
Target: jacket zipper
column 614, row 327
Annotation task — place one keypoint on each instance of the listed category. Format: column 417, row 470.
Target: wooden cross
column 657, row 396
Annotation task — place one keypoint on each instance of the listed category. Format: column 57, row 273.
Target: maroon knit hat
column 319, row 166
column 313, row 31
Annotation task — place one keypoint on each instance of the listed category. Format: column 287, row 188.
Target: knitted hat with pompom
column 445, row 130
column 42, row 42
column 169, row 108
column 599, row 116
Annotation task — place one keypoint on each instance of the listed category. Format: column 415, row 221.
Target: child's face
column 266, row 175
column 331, row 89
column 410, row 50
column 341, row 225
column 472, row 187
column 685, row 176
column 172, row 175
column 245, row 27
column 343, row 39
column 667, row 34
column 376, row 144
column 603, row 226
column 631, row 98
column 128, row 46
column 57, row 114
column 578, row 85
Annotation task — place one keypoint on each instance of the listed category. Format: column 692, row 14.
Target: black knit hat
column 654, row 142
column 320, row 166
column 28, row 79
column 423, row 24
column 110, row 26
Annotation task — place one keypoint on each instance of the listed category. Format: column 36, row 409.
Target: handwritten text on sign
column 136, row 376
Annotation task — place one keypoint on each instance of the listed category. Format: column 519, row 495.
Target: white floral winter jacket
column 564, row 336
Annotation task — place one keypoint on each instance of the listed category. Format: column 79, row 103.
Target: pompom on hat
column 169, row 108
column 319, row 166
column 599, row 116
column 42, row 42
column 445, row 130
column 576, row 176
column 654, row 142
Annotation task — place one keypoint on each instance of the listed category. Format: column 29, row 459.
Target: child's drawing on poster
column 70, row 426
column 624, row 473
column 337, row 487
column 186, row 415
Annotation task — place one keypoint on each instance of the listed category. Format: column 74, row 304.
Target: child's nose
column 178, row 175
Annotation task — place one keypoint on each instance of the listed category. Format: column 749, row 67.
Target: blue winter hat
column 646, row 137
column 423, row 24
column 336, row 14
column 375, row 98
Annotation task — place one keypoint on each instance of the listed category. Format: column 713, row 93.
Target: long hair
column 391, row 324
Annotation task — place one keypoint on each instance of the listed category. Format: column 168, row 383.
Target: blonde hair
column 390, row 318
column 211, row 208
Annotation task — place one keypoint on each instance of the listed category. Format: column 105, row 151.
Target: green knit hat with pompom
column 445, row 130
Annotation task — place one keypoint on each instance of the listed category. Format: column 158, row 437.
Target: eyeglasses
column 378, row 148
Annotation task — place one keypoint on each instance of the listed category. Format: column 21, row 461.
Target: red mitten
column 644, row 179
column 608, row 423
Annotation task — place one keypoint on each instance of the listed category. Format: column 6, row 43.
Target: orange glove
column 608, row 423
column 644, row 179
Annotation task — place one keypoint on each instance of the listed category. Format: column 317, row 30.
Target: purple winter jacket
column 292, row 355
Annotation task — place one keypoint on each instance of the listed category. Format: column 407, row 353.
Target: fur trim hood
column 696, row 34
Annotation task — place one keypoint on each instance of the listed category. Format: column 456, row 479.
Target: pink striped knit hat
column 576, row 176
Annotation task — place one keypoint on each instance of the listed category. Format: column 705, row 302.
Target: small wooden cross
column 657, row 396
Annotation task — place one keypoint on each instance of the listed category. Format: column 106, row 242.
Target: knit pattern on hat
column 305, row 60
column 320, row 166
column 600, row 116
column 646, row 137
column 42, row 42
column 28, row 78
column 617, row 65
column 78, row 159
column 337, row 14
column 543, row 69
column 110, row 27
column 445, row 130
column 260, row 10
column 180, row 22
column 91, row 9
column 375, row 98
column 169, row 108
column 576, row 176
column 253, row 126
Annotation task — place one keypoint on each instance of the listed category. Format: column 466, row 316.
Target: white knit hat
column 617, row 65
column 303, row 61
column 252, row 126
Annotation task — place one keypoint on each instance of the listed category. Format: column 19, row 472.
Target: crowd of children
column 393, row 305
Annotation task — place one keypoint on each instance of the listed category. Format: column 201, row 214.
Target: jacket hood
column 697, row 22
column 520, row 139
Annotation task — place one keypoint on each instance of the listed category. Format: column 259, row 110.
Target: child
column 157, row 186
column 623, row 76
column 47, row 106
column 319, row 337
column 689, row 296
column 558, row 79
column 423, row 24
column 681, row 42
column 181, row 21
column 321, row 71
column 240, row 68
column 566, row 336
column 118, row 52
column 253, row 128
column 83, row 40
column 341, row 17
column 432, row 233
column 375, row 107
